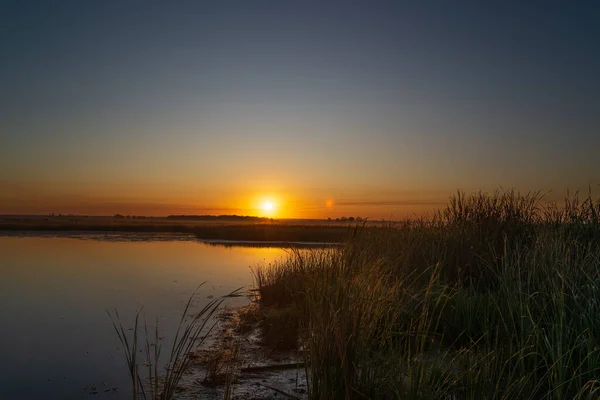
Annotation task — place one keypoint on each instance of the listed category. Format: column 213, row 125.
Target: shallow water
column 56, row 340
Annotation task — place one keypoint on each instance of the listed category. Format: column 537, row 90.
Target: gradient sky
column 378, row 109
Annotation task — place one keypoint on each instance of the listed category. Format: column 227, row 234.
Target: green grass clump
column 280, row 328
column 497, row 296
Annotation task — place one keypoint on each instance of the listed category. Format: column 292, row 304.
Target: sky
column 366, row 108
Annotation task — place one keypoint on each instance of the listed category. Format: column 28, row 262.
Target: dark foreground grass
column 497, row 297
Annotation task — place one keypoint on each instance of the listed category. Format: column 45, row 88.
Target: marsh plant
column 148, row 382
column 497, row 297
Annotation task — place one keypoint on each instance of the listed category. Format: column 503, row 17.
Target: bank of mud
column 239, row 365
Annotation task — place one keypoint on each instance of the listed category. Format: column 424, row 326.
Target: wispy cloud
column 392, row 203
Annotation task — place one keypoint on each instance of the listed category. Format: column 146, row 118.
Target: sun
column 267, row 206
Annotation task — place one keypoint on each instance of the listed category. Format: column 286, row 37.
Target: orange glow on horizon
column 269, row 199
column 265, row 204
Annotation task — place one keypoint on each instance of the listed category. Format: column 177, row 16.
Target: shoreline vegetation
column 216, row 228
column 143, row 347
column 496, row 297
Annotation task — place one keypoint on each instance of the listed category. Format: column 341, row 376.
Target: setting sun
column 266, row 204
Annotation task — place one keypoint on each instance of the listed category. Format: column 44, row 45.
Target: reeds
column 191, row 334
column 497, row 297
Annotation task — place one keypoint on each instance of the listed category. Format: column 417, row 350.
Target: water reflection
column 57, row 340
column 271, row 244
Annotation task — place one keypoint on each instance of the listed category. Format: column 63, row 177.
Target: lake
column 56, row 339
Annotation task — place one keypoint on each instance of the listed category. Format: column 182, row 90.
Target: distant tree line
column 348, row 219
column 218, row 218
column 121, row 216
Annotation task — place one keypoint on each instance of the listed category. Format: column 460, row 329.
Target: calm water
column 56, row 340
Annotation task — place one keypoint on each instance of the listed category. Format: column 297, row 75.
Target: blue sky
column 199, row 104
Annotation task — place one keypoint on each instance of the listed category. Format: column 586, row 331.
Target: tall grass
column 192, row 331
column 497, row 296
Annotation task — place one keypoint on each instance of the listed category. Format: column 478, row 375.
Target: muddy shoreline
column 240, row 364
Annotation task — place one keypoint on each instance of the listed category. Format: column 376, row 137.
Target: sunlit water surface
column 56, row 340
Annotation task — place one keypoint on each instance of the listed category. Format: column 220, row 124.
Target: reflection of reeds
column 190, row 335
column 496, row 297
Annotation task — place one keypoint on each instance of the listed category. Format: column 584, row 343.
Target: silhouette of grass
column 496, row 297
column 191, row 334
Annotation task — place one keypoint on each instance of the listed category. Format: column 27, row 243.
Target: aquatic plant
column 192, row 332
